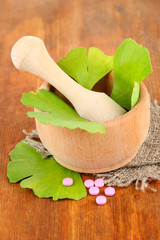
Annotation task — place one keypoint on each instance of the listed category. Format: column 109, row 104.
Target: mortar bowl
column 82, row 151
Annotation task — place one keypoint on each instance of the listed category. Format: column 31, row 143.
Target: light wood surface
column 63, row 25
column 93, row 153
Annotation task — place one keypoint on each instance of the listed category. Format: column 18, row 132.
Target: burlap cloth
column 141, row 170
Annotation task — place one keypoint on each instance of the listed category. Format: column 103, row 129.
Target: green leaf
column 135, row 95
column 75, row 65
column 131, row 64
column 87, row 72
column 43, row 176
column 57, row 112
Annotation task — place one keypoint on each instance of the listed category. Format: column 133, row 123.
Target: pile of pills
column 94, row 189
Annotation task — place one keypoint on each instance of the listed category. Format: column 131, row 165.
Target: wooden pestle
column 29, row 54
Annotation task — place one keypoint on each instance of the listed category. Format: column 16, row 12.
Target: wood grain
column 130, row 215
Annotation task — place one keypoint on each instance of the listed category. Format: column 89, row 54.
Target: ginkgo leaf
column 135, row 94
column 57, row 112
column 43, row 176
column 87, row 71
column 131, row 64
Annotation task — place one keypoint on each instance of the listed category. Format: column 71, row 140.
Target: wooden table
column 64, row 25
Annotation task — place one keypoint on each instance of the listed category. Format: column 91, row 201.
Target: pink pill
column 99, row 183
column 67, row 181
column 94, row 191
column 89, row 183
column 101, row 200
column 109, row 191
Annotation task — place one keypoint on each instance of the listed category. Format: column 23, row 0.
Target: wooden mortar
column 81, row 151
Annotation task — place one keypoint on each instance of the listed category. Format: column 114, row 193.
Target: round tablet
column 89, row 183
column 101, row 200
column 109, row 191
column 99, row 183
column 67, row 181
column 94, row 191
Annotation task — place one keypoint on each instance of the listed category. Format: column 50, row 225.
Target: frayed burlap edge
column 141, row 170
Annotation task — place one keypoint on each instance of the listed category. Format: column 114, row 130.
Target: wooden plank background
column 64, row 25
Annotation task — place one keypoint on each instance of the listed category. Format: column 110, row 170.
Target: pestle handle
column 30, row 54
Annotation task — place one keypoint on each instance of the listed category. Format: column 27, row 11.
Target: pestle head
column 22, row 49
